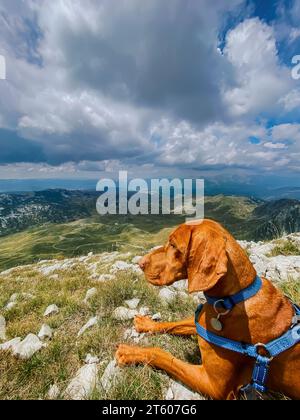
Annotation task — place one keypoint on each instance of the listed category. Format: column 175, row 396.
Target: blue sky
column 173, row 88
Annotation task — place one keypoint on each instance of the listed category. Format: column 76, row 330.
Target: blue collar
column 230, row 302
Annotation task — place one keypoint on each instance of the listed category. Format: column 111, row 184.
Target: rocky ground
column 61, row 320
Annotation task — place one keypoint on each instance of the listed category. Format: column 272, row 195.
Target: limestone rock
column 28, row 347
column 110, row 375
column 181, row 285
column 91, row 323
column 132, row 335
column 45, row 332
column 89, row 294
column 177, row 392
column 156, row 317
column 133, row 303
column 124, row 266
column 104, row 277
column 136, row 259
column 2, row 328
column 53, row 392
column 282, row 268
column 83, row 384
column 90, row 359
column 10, row 305
column 123, row 314
column 167, row 295
column 51, row 310
column 11, row 344
column 144, row 311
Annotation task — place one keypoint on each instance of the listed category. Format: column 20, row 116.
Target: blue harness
column 272, row 349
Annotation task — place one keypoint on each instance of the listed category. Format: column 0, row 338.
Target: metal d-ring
column 262, row 346
column 221, row 313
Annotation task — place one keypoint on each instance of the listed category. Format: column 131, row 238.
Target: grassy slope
column 99, row 234
column 65, row 353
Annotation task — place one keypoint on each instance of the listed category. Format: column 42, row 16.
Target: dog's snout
column 143, row 263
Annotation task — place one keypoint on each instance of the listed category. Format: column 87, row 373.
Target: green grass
column 286, row 248
column 79, row 238
column 292, row 289
column 65, row 353
column 115, row 233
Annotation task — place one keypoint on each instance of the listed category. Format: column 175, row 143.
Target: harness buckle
column 261, row 346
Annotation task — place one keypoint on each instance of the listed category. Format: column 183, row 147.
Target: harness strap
column 260, row 373
column 230, row 302
column 262, row 365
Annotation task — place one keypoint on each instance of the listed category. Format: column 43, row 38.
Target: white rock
column 181, row 285
column 124, row 314
column 46, row 270
column 89, row 294
column 156, row 317
column 10, row 305
column 136, row 259
column 17, row 296
column 10, row 345
column 14, row 297
column 282, row 268
column 90, row 359
column 295, row 238
column 177, row 392
column 2, row 328
column 144, row 311
column 133, row 335
column 45, row 332
column 84, row 383
column 110, row 375
column 90, row 254
column 104, row 277
column 167, row 295
column 54, row 392
column 91, row 323
column 51, row 310
column 133, row 303
column 124, row 266
column 198, row 298
column 28, row 347
column 182, row 295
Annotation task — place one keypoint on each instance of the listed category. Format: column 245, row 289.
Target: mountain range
column 248, row 218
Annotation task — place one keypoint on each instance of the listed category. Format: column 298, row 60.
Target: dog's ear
column 180, row 238
column 208, row 261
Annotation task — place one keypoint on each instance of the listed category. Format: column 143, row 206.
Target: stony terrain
column 61, row 320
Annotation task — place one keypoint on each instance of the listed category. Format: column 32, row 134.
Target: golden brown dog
column 214, row 262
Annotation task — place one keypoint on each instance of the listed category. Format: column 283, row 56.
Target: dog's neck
column 238, row 277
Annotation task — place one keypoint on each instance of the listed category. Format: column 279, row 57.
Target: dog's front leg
column 193, row 376
column 145, row 324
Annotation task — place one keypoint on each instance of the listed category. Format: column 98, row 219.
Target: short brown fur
column 214, row 262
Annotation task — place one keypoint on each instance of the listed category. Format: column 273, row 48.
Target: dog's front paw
column 130, row 355
column 144, row 324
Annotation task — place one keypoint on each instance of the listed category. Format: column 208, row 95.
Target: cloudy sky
column 158, row 88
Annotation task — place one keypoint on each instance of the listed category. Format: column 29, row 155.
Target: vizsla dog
column 214, row 262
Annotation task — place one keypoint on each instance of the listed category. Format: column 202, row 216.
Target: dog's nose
column 143, row 263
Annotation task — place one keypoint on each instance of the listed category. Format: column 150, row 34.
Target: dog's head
column 202, row 252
